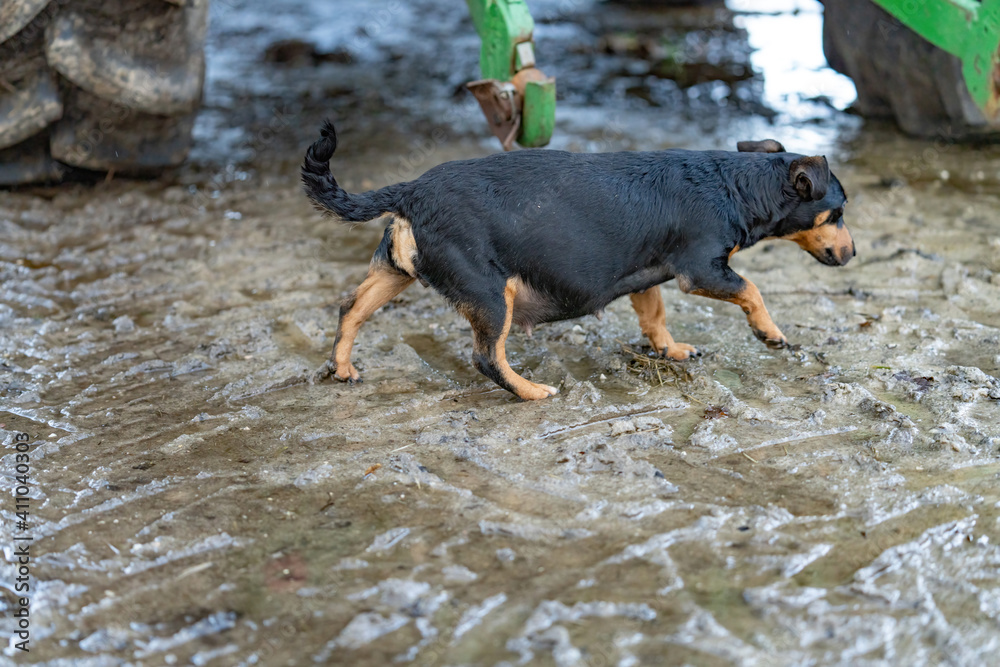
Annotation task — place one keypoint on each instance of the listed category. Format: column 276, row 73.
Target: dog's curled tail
column 327, row 195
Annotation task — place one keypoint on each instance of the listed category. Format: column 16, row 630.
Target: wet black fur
column 327, row 195
column 582, row 230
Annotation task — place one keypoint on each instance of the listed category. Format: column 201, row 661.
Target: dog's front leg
column 652, row 314
column 728, row 285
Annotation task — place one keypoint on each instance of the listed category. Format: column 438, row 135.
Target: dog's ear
column 810, row 176
column 766, row 146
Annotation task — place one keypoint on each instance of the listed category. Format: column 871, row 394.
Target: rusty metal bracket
column 501, row 104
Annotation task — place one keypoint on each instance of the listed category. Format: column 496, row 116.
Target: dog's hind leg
column 490, row 326
column 652, row 320
column 381, row 286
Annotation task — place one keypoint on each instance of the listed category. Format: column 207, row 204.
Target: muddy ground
column 196, row 499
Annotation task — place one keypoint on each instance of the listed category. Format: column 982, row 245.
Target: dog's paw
column 347, row 373
column 536, row 392
column 680, row 351
column 773, row 339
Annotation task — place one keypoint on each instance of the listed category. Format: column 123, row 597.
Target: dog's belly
column 641, row 280
column 535, row 306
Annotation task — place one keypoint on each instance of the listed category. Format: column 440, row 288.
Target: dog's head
column 816, row 222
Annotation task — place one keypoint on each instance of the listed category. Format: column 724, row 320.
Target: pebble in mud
column 459, row 574
column 124, row 324
column 506, row 555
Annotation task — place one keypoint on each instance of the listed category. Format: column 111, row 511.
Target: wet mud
column 199, row 499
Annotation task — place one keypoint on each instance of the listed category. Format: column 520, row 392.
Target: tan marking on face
column 815, row 241
column 379, row 288
column 404, row 246
column 732, row 252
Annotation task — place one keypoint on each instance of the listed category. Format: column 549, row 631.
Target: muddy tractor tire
column 898, row 75
column 105, row 85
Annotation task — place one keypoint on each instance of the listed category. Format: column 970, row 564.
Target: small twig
column 646, row 430
column 692, row 398
column 195, row 568
column 599, row 420
column 749, row 457
column 643, row 364
column 794, row 438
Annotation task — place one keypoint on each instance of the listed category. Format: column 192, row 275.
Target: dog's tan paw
column 681, row 351
column 773, row 339
column 536, row 392
column 347, row 373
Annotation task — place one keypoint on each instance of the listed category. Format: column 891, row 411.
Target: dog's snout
column 836, row 256
column 846, row 253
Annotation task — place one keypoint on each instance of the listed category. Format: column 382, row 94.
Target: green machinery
column 519, row 100
column 969, row 29
column 66, row 66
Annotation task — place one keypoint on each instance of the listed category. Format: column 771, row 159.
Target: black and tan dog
column 540, row 235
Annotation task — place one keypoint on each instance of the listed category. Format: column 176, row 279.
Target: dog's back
column 587, row 227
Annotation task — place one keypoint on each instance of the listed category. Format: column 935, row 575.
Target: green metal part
column 502, row 25
column 539, row 118
column 964, row 28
